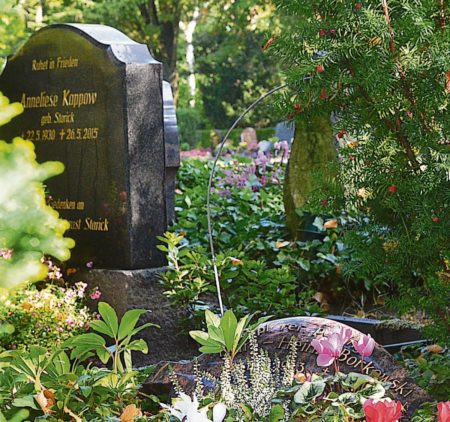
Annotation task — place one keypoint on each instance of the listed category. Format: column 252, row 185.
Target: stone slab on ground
column 274, row 336
column 133, row 289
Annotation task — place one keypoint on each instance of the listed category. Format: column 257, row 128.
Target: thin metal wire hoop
column 211, row 177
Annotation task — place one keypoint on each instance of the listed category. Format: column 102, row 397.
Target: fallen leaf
column 435, row 348
column 300, row 377
column 361, row 314
column 281, row 244
column 129, row 413
column 236, row 261
column 380, row 300
column 45, row 399
column 331, row 224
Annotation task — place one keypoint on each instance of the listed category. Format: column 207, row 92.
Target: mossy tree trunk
column 312, row 151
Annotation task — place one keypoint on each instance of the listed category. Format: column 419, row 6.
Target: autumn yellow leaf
column 331, row 224
column 129, row 413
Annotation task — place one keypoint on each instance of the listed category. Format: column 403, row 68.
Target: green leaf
column 216, row 334
column 61, row 363
column 212, row 319
column 129, row 321
column 109, row 316
column 304, row 264
column 101, row 327
column 276, row 413
column 26, row 401
column 309, row 391
column 211, row 349
column 200, row 337
column 229, row 323
column 139, row 345
column 239, row 330
column 89, row 340
column 103, row 355
column 142, row 327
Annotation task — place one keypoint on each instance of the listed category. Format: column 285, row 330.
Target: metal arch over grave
column 94, row 100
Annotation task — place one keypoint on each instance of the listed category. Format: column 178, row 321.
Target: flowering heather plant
column 44, row 317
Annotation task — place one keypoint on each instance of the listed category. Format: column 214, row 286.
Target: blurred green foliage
column 29, row 229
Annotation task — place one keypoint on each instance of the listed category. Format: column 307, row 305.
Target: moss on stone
column 312, row 151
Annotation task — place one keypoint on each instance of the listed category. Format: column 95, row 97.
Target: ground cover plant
column 260, row 268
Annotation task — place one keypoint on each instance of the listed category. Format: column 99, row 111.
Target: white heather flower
column 186, row 410
column 219, row 412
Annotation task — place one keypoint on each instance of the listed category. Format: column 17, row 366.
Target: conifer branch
column 390, row 30
column 393, row 127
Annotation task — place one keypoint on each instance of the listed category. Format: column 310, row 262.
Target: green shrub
column 44, row 317
column 189, row 121
column 383, row 72
column 29, row 229
column 258, row 268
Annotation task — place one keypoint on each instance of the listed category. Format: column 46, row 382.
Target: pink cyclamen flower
column 365, row 345
column 382, row 411
column 345, row 334
column 444, row 411
column 328, row 348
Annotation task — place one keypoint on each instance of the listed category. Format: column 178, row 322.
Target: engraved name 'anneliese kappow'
column 68, row 99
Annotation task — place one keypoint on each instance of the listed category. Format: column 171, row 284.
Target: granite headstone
column 249, row 136
column 285, row 131
column 93, row 99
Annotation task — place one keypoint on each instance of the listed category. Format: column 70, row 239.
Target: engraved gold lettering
column 78, row 99
column 96, row 225
column 39, row 65
column 352, row 361
column 75, row 224
column 344, row 355
column 64, row 62
column 64, row 118
column 46, row 119
column 41, row 101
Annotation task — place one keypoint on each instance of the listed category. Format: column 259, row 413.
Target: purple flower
column 89, row 264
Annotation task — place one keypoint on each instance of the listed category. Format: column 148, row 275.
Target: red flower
column 341, row 133
column 444, row 411
column 382, row 411
column 358, row 6
column 392, row 188
column 324, row 202
column 320, row 69
column 332, row 32
column 322, row 32
column 435, row 219
column 351, row 157
column 297, row 106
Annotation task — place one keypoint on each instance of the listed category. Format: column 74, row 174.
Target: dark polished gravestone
column 93, row 99
column 275, row 336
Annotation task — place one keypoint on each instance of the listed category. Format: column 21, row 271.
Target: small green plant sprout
column 86, row 345
column 225, row 334
column 29, row 228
